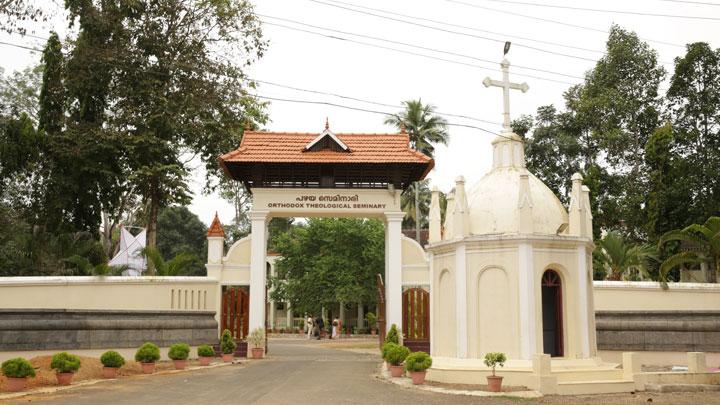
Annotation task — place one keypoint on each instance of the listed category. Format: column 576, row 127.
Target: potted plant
column 372, row 322
column 384, row 352
column 111, row 361
column 393, row 335
column 417, row 364
column 395, row 355
column 493, row 360
column 179, row 353
column 17, row 371
column 227, row 346
column 256, row 339
column 65, row 365
column 205, row 354
column 147, row 355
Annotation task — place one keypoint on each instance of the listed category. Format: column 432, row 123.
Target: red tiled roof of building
column 283, row 147
column 216, row 228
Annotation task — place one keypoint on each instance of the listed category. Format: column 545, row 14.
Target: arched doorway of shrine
column 552, row 314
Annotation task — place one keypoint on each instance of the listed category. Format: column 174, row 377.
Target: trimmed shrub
column 393, row 335
column 205, row 351
column 256, row 338
column 18, row 368
column 396, row 354
column 227, row 343
column 385, row 348
column 495, row 359
column 418, row 361
column 148, row 353
column 65, row 363
column 112, row 359
column 179, row 351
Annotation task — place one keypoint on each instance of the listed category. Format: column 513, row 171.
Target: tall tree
column 425, row 129
column 19, row 91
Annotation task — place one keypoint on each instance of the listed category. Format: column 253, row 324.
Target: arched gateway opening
column 552, row 314
column 326, row 175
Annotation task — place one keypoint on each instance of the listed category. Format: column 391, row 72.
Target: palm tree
column 413, row 203
column 620, row 258
column 178, row 265
column 705, row 240
column 425, row 129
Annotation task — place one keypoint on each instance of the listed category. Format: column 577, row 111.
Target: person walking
column 320, row 324
column 335, row 328
column 310, row 325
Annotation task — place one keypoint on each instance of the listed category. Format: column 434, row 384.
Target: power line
column 703, row 3
column 327, row 103
column 20, row 46
column 366, row 101
column 598, row 10
column 506, row 35
column 419, row 47
column 411, row 53
column 452, row 31
column 583, row 27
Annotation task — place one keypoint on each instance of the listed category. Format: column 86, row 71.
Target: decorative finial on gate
column 327, row 123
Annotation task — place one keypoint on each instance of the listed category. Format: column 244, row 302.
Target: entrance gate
column 416, row 319
column 234, row 316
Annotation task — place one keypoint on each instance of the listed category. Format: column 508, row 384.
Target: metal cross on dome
column 506, row 85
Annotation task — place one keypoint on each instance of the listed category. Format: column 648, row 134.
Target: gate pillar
column 258, row 252
column 393, row 269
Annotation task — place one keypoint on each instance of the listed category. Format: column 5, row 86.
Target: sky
column 469, row 39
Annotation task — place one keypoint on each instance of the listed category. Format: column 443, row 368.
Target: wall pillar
column 258, row 252
column 527, row 287
column 584, row 291
column 342, row 313
column 289, row 316
column 360, row 315
column 393, row 269
column 461, row 301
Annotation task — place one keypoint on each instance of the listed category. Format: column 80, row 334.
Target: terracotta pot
column 205, row 360
column 258, row 352
column 148, row 368
column 180, row 364
column 396, row 371
column 15, row 384
column 64, row 378
column 110, row 372
column 418, row 377
column 227, row 357
column 494, row 383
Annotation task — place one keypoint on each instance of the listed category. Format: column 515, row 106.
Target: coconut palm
column 410, row 201
column 178, row 265
column 705, row 240
column 622, row 259
column 425, row 129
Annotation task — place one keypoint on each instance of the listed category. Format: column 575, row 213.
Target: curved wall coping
column 654, row 285
column 84, row 280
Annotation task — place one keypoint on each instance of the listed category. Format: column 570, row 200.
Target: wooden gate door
column 416, row 319
column 381, row 309
column 235, row 315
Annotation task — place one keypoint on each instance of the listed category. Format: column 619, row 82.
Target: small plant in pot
column 147, row 355
column 417, row 364
column 17, row 371
column 65, row 366
column 205, row 354
column 227, row 346
column 492, row 360
column 256, row 339
column 111, row 361
column 372, row 322
column 395, row 355
column 179, row 354
column 393, row 335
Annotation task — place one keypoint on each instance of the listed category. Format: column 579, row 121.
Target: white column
column 393, row 269
column 258, row 252
column 431, row 261
column 582, row 287
column 342, row 313
column 526, row 293
column 360, row 315
column 271, row 315
column 289, row 316
column 461, row 301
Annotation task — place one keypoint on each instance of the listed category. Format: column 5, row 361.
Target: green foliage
column 396, row 354
column 385, row 349
column 494, row 359
column 148, row 353
column 371, row 319
column 205, row 351
column 393, row 335
column 418, row 361
column 180, row 265
column 622, row 259
column 179, row 351
column 705, row 242
column 65, row 363
column 256, row 338
column 112, row 359
column 18, row 368
column 328, row 261
column 181, row 232
column 227, row 343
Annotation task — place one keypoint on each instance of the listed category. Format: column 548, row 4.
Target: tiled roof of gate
column 216, row 228
column 288, row 147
